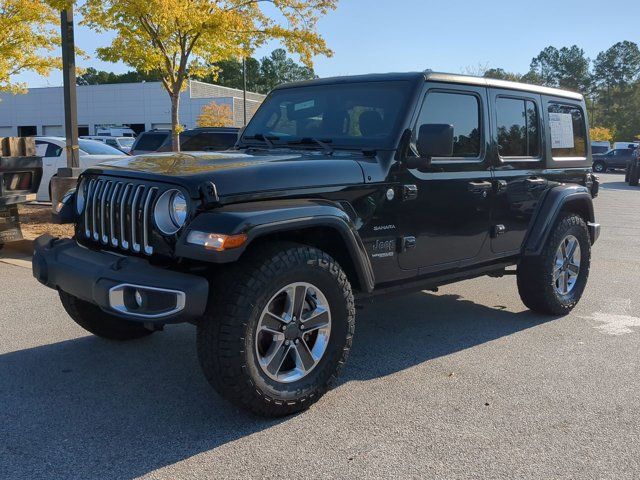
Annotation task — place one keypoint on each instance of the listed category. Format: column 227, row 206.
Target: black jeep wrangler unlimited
column 338, row 190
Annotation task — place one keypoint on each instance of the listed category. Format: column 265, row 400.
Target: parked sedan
column 54, row 156
column 617, row 158
column 120, row 143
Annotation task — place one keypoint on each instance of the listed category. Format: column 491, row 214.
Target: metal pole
column 244, row 88
column 69, row 87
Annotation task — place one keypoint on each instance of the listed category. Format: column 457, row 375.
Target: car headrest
column 371, row 123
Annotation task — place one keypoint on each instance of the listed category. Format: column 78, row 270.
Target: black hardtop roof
column 438, row 77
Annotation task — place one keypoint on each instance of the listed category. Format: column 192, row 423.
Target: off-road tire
column 535, row 273
column 599, row 167
column 634, row 176
column 95, row 321
column 226, row 334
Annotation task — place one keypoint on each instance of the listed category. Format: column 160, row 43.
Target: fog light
column 216, row 241
column 139, row 300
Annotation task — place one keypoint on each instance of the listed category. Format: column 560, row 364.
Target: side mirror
column 435, row 140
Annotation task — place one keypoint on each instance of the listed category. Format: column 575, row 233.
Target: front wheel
column 274, row 340
column 553, row 282
column 599, row 167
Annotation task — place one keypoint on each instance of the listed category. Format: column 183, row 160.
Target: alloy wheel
column 293, row 332
column 566, row 265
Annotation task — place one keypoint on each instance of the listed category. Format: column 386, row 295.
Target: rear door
column 518, row 146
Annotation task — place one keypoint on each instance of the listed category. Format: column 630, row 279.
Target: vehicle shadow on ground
column 89, row 408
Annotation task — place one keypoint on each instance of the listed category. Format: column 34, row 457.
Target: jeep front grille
column 119, row 214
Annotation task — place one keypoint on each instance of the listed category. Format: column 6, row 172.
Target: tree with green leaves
column 501, row 74
column 185, row 38
column 567, row 68
column 277, row 68
column 28, row 37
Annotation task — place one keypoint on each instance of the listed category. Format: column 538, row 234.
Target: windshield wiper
column 263, row 138
column 310, row 140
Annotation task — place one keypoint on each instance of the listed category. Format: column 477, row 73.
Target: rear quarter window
column 568, row 131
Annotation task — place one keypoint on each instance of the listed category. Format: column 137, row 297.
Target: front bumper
column 126, row 287
column 594, row 231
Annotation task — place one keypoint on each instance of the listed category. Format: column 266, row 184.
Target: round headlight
column 81, row 195
column 178, row 209
column 170, row 213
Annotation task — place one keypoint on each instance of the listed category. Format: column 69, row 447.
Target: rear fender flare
column 574, row 198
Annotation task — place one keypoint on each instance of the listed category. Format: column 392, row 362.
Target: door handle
column 479, row 187
column 536, row 181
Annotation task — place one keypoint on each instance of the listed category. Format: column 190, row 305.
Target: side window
column 151, row 141
column 209, row 141
column 462, row 110
column 112, row 142
column 518, row 127
column 568, row 131
column 46, row 149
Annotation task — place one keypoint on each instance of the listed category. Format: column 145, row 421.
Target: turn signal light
column 216, row 241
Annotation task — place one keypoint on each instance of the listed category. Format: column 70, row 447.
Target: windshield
column 126, row 141
column 93, row 147
column 360, row 115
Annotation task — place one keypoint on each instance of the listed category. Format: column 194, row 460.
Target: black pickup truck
column 338, row 191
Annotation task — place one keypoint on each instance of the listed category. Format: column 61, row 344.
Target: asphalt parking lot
column 464, row 383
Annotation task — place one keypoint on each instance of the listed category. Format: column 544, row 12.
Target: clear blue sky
column 445, row 35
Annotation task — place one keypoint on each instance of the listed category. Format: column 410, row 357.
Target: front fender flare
column 257, row 219
column 562, row 197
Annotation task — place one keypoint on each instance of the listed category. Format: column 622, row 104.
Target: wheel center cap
column 292, row 331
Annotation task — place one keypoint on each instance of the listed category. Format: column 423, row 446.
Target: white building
column 142, row 106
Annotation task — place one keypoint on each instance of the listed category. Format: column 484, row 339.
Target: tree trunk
column 175, row 122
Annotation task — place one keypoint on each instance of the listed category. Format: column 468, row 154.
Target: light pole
column 69, row 86
column 67, row 178
column 244, row 88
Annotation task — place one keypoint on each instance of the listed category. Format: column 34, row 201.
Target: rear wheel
column 553, row 282
column 274, row 340
column 95, row 321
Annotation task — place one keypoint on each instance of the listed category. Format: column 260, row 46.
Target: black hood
column 242, row 172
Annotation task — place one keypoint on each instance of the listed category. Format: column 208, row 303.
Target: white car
column 121, row 143
column 54, row 156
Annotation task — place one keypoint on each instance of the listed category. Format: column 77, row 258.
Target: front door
column 447, row 223
column 518, row 157
column 53, row 157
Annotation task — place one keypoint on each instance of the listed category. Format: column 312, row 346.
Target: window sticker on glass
column 561, row 126
column 304, row 105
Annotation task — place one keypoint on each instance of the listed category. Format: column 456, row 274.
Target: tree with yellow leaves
column 601, row 134
column 215, row 115
column 27, row 33
column 183, row 38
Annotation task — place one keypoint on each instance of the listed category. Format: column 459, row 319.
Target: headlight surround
column 81, row 196
column 170, row 212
